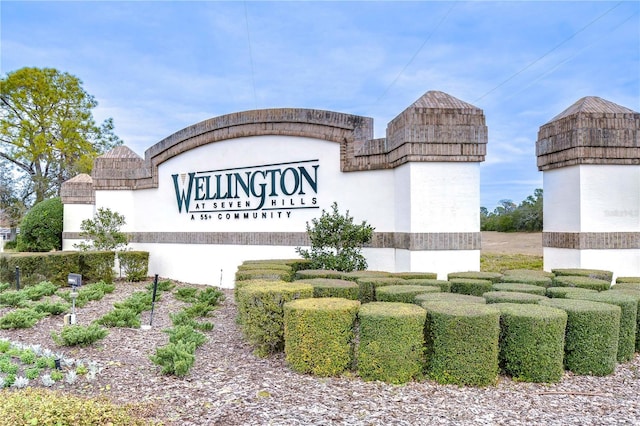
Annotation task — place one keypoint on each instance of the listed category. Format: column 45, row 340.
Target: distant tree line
column 509, row 217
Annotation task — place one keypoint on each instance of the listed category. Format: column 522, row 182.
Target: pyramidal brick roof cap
column 81, row 178
column 441, row 100
column 594, row 105
column 121, row 151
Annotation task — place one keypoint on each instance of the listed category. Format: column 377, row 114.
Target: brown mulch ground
column 228, row 385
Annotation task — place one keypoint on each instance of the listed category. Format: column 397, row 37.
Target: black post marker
column 17, row 278
column 153, row 297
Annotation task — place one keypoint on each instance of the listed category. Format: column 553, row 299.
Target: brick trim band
column 591, row 240
column 398, row 240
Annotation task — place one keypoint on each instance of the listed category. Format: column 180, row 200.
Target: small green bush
column 537, row 280
column 527, row 273
column 38, row 291
column 462, row 343
column 448, row 297
column 120, row 317
column 581, row 282
column 199, row 309
column 261, row 312
column 636, row 295
column 305, row 274
column 588, row 273
column 187, row 334
column 494, row 277
column 139, row 301
column 532, row 342
column 4, row 286
column 12, row 298
column 97, row 266
column 264, row 266
column 211, row 296
column 319, row 334
column 621, row 280
column 182, row 318
column 295, row 264
column 327, row 287
column 354, row 275
column 265, row 274
column 134, row 264
column 368, row 286
column 51, row 308
column 591, row 338
column 512, row 297
column 79, row 335
column 186, row 294
column 175, row 358
column 416, row 275
column 563, row 292
column 520, row 288
column 403, row 293
column 628, row 318
column 470, row 286
column 444, row 286
column 41, row 227
column 391, row 347
column 165, row 285
column 629, row 286
column 20, row 318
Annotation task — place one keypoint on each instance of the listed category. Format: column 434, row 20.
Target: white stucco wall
column 562, row 199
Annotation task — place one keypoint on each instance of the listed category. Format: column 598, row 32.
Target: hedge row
column 327, row 287
column 636, row 295
column 512, row 297
column 581, row 282
column 403, row 293
column 588, row 273
column 520, row 288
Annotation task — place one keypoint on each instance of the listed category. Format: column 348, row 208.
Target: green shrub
column 12, row 298
column 470, row 286
column 527, row 273
column 462, row 343
column 264, row 266
column 402, row 293
column 537, row 280
column 79, row 335
column 391, row 347
column 367, row 291
column 563, row 292
column 182, row 318
column 261, row 314
column 621, row 280
column 448, row 297
column 494, row 277
column 591, row 338
column 354, row 275
column 318, row 335
column 294, row 264
column 512, row 297
column 636, row 295
column 520, row 288
column 120, row 317
column 629, row 286
column 327, row 287
column 33, row 268
column 186, row 294
column 588, row 273
column 581, row 282
column 532, row 342
column 199, row 309
column 265, row 274
column 165, row 285
column 175, row 358
column 20, row 318
column 139, row 301
column 134, row 264
column 186, row 334
column 51, row 308
column 91, row 292
column 628, row 318
column 56, row 266
column 41, row 227
column 443, row 285
column 416, row 275
column 39, row 291
column 211, row 296
column 97, row 266
column 4, row 286
column 305, row 274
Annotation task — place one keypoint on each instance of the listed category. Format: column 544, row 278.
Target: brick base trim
column 591, row 240
column 398, row 240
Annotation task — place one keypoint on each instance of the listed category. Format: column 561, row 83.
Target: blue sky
column 157, row 67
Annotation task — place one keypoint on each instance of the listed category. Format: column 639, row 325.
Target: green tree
column 47, row 129
column 336, row 242
column 41, row 228
column 103, row 231
column 12, row 205
column 507, row 217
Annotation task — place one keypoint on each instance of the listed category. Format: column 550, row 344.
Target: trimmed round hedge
column 391, row 347
column 328, row 287
column 416, row 275
column 354, row 275
column 562, row 292
column 264, row 274
column 512, row 297
column 470, row 286
column 494, row 277
column 528, row 273
column 368, row 286
column 537, row 280
column 448, row 297
column 520, row 288
column 261, row 312
column 403, row 293
column 295, row 264
column 628, row 318
column 532, row 342
column 636, row 295
column 591, row 338
column 317, row 273
column 264, row 266
column 626, row 285
column 441, row 284
column 462, row 343
column 621, row 280
column 589, row 273
column 319, row 334
column 581, row 282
